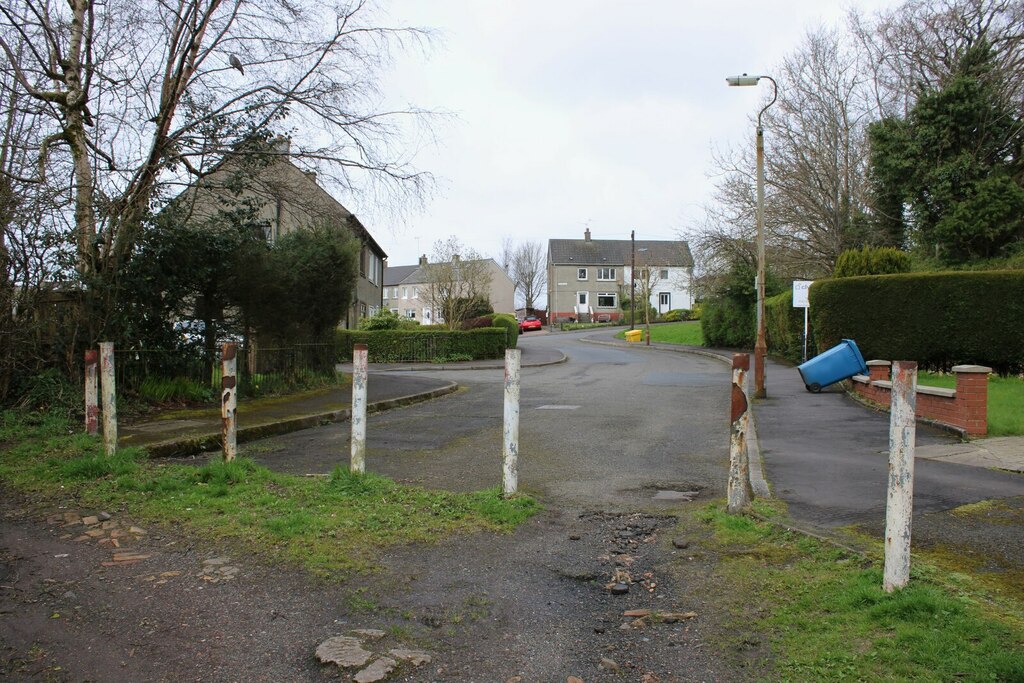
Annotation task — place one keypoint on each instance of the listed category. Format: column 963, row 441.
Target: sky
column 569, row 114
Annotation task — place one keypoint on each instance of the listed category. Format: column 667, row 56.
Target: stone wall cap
column 879, row 362
column 936, row 391
column 971, row 368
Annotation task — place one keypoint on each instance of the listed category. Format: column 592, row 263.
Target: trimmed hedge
column 872, row 261
column 404, row 346
column 511, row 326
column 785, row 328
column 937, row 319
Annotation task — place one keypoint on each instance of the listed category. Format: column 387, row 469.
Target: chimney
column 423, row 260
column 586, row 235
column 281, row 145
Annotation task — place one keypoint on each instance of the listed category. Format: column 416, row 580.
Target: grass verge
column 687, row 333
column 329, row 525
column 824, row 616
column 1005, row 398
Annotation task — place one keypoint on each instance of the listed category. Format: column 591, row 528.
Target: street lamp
column 632, row 278
column 761, row 346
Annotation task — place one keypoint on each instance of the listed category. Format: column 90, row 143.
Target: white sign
column 800, row 289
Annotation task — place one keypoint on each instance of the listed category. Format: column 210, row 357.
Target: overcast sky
column 576, row 113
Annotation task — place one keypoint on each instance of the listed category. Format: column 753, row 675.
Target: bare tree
column 645, row 281
column 529, row 273
column 506, row 254
column 457, row 281
column 132, row 98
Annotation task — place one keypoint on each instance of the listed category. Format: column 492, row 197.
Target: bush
column 784, row 326
column 403, row 346
column 937, row 319
column 675, row 315
column 872, row 261
column 511, row 326
column 728, row 323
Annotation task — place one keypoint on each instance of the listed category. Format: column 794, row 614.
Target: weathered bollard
column 739, row 492
column 229, row 400
column 899, row 503
column 107, row 388
column 92, row 408
column 360, row 361
column 510, row 447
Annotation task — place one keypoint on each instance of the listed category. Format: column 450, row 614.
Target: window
column 605, row 273
column 606, row 300
column 581, row 298
column 415, row 292
column 665, row 299
column 664, row 275
column 394, row 294
column 581, row 274
column 410, row 313
column 405, row 292
column 395, row 311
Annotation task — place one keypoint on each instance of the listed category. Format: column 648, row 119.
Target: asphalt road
column 606, row 430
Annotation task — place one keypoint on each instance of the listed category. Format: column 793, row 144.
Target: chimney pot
column 586, row 234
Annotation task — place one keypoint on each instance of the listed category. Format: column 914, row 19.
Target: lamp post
column 761, row 346
column 632, row 278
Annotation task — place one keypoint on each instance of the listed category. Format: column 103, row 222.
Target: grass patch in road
column 824, row 616
column 686, row 333
column 330, row 525
column 1005, row 400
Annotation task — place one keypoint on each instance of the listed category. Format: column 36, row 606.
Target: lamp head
column 743, row 80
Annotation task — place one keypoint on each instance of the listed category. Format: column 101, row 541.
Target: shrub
column 872, row 261
column 728, row 323
column 675, row 315
column 784, row 326
column 511, row 326
column 937, row 319
column 401, row 346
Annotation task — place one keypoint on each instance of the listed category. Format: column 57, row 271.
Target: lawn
column 1005, row 401
column 687, row 333
column 821, row 613
column 329, row 525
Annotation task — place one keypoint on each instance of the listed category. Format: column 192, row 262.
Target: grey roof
column 396, row 275
column 617, row 252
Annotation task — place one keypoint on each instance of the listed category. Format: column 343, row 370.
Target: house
column 407, row 290
column 285, row 198
column 588, row 279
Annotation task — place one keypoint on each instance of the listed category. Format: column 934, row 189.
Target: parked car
column 530, row 322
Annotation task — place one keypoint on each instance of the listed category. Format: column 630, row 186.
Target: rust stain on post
column 92, row 408
column 740, row 491
column 900, row 496
column 229, row 400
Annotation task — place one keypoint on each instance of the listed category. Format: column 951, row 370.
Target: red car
column 530, row 322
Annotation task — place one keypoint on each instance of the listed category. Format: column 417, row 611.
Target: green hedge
column 872, row 261
column 511, row 326
column 404, row 346
column 937, row 319
column 784, row 326
column 728, row 323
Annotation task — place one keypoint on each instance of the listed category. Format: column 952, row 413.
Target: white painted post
column 229, row 400
column 360, row 361
column 510, row 446
column 109, row 392
column 92, row 409
column 899, row 506
column 739, row 490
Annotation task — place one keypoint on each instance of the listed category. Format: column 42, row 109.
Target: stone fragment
column 95, row 533
column 414, row 657
column 109, row 524
column 637, row 613
column 83, row 537
column 90, row 520
column 573, row 679
column 620, row 589
column 680, row 543
column 377, row 671
column 344, row 651
column 515, row 679
column 72, row 518
column 53, row 520
column 574, row 537
column 104, row 516
column 371, row 633
column 228, row 570
column 216, row 561
column 169, row 574
column 118, row 533
column 65, row 537
column 108, row 542
column 609, row 664
column 673, row 617
column 138, row 531
column 131, row 557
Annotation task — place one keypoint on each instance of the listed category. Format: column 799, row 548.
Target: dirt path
column 532, row 605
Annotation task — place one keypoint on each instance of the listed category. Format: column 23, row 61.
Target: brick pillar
column 879, row 370
column 972, row 398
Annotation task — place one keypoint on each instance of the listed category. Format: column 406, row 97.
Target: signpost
column 801, row 300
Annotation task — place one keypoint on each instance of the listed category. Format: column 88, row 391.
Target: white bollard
column 510, row 447
column 229, row 400
column 109, row 392
column 899, row 504
column 360, row 362
column 739, row 490
column 92, row 409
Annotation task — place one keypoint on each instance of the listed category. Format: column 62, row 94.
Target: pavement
column 780, row 423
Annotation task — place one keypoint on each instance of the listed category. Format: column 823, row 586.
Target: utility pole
column 632, row 278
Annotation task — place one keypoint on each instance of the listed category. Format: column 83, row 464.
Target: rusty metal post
column 92, row 408
column 510, row 447
column 229, row 400
column 360, row 361
column 109, row 392
column 739, row 491
column 899, row 504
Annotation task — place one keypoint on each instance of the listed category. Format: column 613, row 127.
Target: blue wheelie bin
column 838, row 363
